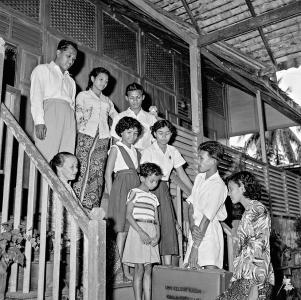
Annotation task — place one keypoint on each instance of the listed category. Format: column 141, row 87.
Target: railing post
column 2, row 55
column 97, row 257
column 180, row 221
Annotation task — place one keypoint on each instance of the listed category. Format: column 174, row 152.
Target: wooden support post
column 57, row 210
column 261, row 125
column 29, row 223
column 230, row 245
column 97, row 257
column 74, row 260
column 196, row 90
column 2, row 56
column 17, row 213
column 43, row 238
column 180, row 222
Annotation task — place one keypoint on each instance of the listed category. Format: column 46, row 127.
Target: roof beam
column 176, row 25
column 273, row 16
column 272, row 98
column 263, row 38
column 192, row 18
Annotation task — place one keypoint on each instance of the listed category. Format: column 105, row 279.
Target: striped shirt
column 145, row 204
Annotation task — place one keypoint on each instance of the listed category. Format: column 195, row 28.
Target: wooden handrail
column 79, row 214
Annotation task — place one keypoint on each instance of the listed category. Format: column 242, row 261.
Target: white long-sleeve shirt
column 48, row 82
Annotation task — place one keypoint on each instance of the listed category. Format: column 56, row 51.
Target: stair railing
column 22, row 168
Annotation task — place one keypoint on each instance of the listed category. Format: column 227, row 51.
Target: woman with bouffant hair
column 253, row 274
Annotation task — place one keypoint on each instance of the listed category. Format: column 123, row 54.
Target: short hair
column 215, row 149
column 148, row 169
column 134, row 87
column 59, row 159
column 252, row 186
column 95, row 72
column 164, row 123
column 64, row 44
column 128, row 123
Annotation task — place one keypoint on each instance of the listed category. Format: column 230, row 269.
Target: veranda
column 201, row 90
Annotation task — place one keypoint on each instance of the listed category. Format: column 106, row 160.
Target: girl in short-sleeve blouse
column 168, row 158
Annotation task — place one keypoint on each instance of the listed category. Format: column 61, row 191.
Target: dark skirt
column 124, row 181
column 169, row 241
column 92, row 155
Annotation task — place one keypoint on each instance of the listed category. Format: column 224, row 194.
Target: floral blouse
column 253, row 259
column 92, row 113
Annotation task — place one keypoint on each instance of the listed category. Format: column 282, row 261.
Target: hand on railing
column 97, row 213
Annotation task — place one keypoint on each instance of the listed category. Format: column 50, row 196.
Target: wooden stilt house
column 208, row 88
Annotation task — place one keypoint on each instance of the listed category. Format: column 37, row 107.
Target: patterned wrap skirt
column 92, row 155
column 124, row 181
column 239, row 290
column 135, row 251
column 169, row 240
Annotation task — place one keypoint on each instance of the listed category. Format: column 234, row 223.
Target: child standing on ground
column 92, row 112
column 168, row 158
column 134, row 94
column 206, row 209
column 123, row 161
column 141, row 248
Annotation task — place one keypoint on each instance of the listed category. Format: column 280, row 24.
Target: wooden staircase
column 23, row 166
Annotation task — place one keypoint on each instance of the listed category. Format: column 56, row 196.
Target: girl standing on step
column 93, row 110
column 123, row 161
column 65, row 166
column 168, row 158
column 141, row 247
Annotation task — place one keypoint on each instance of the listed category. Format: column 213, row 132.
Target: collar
column 155, row 143
column 213, row 177
column 53, row 65
column 141, row 112
column 92, row 94
column 120, row 143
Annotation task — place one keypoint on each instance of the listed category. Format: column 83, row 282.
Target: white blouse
column 120, row 163
column 172, row 158
column 145, row 118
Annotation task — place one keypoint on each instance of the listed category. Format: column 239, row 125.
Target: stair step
column 122, row 291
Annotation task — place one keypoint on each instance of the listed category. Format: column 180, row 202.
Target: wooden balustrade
column 33, row 209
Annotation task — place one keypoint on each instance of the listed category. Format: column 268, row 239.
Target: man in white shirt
column 134, row 94
column 52, row 97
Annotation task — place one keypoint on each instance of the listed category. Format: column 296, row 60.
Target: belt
column 146, row 221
